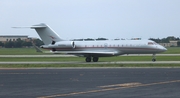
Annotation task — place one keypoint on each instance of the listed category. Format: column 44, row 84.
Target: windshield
column 152, row 43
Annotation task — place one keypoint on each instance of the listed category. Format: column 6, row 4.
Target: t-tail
column 47, row 35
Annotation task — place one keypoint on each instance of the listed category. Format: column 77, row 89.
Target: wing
column 92, row 53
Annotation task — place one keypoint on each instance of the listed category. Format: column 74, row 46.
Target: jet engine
column 66, row 44
column 60, row 45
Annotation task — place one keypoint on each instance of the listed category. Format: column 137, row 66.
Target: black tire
column 153, row 60
column 95, row 59
column 88, row 59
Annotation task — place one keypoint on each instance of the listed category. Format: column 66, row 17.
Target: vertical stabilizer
column 47, row 35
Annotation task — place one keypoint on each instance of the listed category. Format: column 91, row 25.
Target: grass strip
column 84, row 65
column 101, row 59
column 172, row 50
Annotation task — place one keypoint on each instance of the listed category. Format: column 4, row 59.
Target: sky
column 93, row 18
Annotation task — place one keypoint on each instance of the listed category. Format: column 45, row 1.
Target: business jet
column 92, row 50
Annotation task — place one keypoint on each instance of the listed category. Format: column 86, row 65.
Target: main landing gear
column 154, row 57
column 95, row 59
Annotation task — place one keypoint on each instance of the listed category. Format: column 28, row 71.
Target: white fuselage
column 116, row 47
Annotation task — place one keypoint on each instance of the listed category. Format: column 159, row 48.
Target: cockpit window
column 152, row 43
column 155, row 43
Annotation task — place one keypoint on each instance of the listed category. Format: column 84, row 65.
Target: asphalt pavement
column 90, row 83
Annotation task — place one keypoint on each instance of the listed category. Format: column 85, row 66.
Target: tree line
column 21, row 43
column 165, row 40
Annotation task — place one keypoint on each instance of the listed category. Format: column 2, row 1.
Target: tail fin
column 47, row 35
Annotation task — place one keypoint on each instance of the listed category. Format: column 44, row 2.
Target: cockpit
column 152, row 43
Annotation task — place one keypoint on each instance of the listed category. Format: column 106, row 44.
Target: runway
column 90, row 83
column 80, row 62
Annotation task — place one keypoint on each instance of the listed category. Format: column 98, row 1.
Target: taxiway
column 90, row 83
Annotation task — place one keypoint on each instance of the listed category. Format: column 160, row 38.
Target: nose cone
column 162, row 49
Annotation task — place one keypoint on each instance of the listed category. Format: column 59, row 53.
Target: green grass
column 32, row 51
column 84, row 65
column 102, row 59
column 172, row 50
column 19, row 51
column 80, row 59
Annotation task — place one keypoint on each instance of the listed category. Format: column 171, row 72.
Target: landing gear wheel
column 95, row 59
column 153, row 60
column 154, row 57
column 88, row 59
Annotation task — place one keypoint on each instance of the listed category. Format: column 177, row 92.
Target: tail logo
column 52, row 37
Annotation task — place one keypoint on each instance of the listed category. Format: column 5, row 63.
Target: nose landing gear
column 154, row 57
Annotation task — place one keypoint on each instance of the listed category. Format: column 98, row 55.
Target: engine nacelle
column 66, row 44
column 62, row 44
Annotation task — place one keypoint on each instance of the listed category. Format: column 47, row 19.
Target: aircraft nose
column 165, row 49
column 162, row 49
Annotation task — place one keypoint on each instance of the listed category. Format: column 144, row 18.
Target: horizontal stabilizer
column 32, row 27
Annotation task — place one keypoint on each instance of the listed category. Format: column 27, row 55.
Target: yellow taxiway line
column 111, row 88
